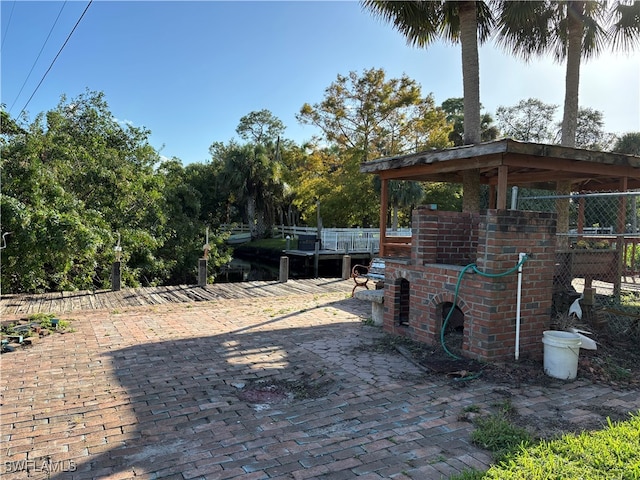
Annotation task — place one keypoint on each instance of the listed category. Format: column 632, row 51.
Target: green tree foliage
column 252, row 173
column 590, row 132
column 8, row 126
column 628, row 143
column 447, row 196
column 454, row 109
column 530, row 120
column 71, row 181
column 191, row 207
column 571, row 31
column 364, row 117
column 260, row 128
column 404, row 195
column 363, row 113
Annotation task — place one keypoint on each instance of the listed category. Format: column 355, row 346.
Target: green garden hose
column 455, row 297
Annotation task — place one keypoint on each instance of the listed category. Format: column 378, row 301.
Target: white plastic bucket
column 561, row 351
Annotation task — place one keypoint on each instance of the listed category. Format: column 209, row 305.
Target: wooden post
column 202, row 272
column 116, row 276
column 316, row 259
column 384, row 200
column 284, row 269
column 501, row 199
column 346, row 267
column 620, row 230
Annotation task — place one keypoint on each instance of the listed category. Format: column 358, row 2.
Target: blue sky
column 188, row 71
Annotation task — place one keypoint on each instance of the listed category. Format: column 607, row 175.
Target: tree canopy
column 72, row 181
column 75, row 178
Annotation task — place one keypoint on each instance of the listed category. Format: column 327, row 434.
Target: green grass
column 498, row 435
column 44, row 320
column 273, row 243
column 611, row 453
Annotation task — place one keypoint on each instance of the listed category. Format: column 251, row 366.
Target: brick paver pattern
column 154, row 392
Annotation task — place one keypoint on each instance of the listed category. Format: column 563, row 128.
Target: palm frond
column 625, row 29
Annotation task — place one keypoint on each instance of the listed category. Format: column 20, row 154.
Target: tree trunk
column 470, row 72
column 394, row 219
column 471, row 93
column 562, row 209
column 251, row 215
column 575, row 25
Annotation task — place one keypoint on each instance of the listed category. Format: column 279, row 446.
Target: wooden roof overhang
column 509, row 162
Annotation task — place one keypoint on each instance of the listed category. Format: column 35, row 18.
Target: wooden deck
column 60, row 302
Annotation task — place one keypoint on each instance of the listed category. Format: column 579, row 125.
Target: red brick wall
column 444, row 237
column 493, row 241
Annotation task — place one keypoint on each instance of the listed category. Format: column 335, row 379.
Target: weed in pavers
column 25, row 331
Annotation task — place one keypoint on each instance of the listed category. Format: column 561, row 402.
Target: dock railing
column 346, row 240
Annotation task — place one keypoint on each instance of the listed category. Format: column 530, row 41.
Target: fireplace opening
column 454, row 329
column 403, row 300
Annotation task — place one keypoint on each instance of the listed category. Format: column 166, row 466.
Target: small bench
column 376, row 297
column 361, row 274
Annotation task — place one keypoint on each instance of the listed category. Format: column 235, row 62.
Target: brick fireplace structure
column 421, row 271
column 420, row 290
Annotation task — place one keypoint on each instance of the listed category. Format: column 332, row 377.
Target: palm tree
column 255, row 179
column 571, row 31
column 402, row 193
column 465, row 22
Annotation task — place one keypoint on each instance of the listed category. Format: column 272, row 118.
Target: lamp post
column 203, row 262
column 116, row 271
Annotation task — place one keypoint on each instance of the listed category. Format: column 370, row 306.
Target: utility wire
column 56, row 57
column 6, row 30
column 38, row 57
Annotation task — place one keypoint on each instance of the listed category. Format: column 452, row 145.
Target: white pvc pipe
column 519, row 302
column 514, row 197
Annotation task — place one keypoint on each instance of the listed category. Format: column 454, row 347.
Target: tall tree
column 571, row 31
column 260, row 128
column 366, row 116
column 358, row 109
column 254, row 176
column 530, row 120
column 69, row 184
column 464, row 22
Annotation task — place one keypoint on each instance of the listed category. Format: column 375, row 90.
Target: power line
column 6, row 30
column 56, row 57
column 38, row 57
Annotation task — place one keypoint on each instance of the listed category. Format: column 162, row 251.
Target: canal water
column 245, row 270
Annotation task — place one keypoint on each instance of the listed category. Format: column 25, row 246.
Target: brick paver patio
column 157, row 392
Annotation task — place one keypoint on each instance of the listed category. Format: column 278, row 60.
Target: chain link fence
column 597, row 257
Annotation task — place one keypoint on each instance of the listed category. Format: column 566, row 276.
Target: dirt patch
column 615, row 363
column 270, row 391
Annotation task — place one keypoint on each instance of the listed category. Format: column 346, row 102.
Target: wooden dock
column 60, row 302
